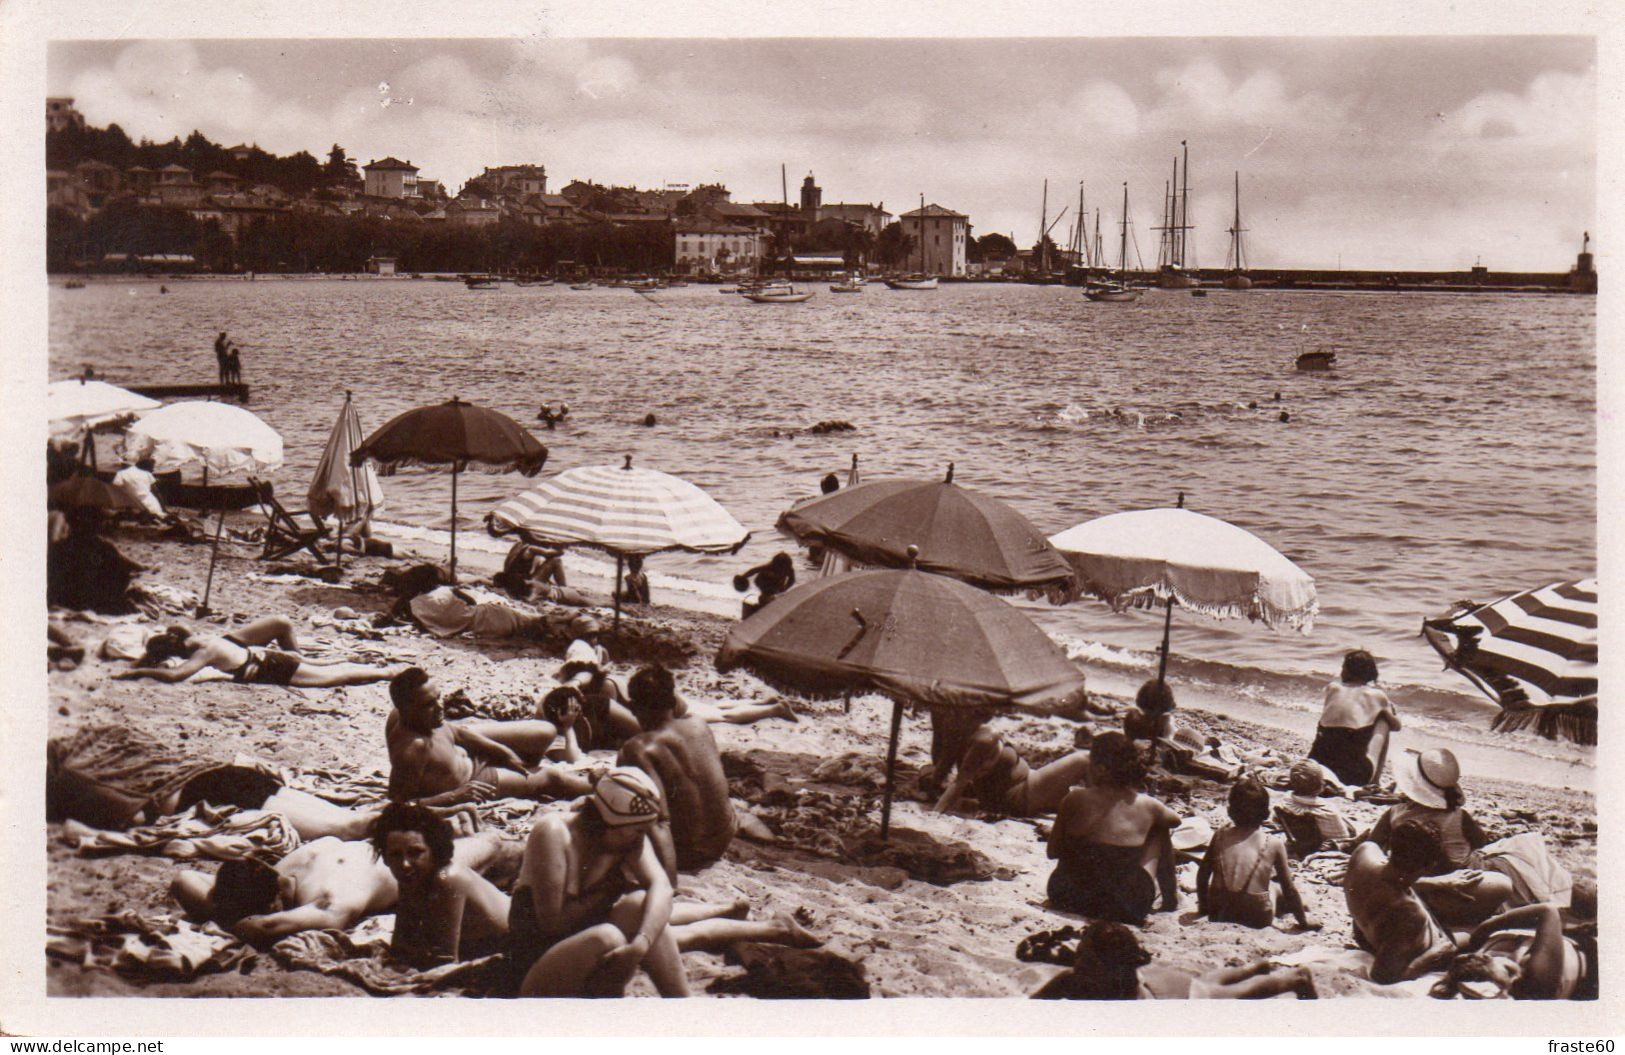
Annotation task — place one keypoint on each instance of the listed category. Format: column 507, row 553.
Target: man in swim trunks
column 443, row 764
column 682, row 757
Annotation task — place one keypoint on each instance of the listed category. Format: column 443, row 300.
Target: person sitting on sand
column 1001, row 781
column 1110, row 839
column 681, row 755
column 635, row 583
column 1390, row 919
column 1112, row 965
column 771, row 579
column 444, row 764
column 1233, row 882
column 85, row 572
column 527, row 568
column 244, row 655
column 136, row 482
column 1356, row 721
column 1528, row 955
column 1311, row 822
column 325, row 884
column 446, row 911
column 592, row 903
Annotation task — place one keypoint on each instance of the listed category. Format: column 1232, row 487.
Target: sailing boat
column 918, row 280
column 1175, row 230
column 1119, row 289
column 1237, row 262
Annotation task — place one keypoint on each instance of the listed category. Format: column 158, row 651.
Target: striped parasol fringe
column 522, row 466
column 1570, row 721
column 1255, row 608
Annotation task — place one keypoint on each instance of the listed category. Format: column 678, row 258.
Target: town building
column 942, row 232
column 516, row 180
column 391, row 178
column 701, row 246
column 382, row 265
column 812, row 195
column 60, row 114
column 872, row 218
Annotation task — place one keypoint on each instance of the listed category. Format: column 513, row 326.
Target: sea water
column 1451, row 454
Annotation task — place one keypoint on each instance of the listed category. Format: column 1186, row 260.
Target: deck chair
column 284, row 534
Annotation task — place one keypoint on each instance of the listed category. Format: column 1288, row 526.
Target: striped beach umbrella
column 624, row 510
column 1534, row 653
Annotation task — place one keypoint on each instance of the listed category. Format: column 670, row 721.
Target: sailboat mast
column 1122, row 244
column 1185, row 203
column 1043, row 232
column 922, row 232
column 1235, row 228
column 1100, row 256
column 1080, row 235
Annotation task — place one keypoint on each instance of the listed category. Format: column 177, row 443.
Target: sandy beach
column 912, row 936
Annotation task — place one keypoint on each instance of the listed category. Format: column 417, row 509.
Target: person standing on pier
column 220, row 347
column 234, row 366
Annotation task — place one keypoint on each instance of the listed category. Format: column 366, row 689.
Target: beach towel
column 224, row 834
column 370, row 963
column 1536, row 876
column 158, row 948
column 104, row 775
column 125, row 642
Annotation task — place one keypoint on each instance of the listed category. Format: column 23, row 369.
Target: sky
column 1360, row 152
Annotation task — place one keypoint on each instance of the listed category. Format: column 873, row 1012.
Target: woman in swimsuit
column 1233, row 882
column 771, row 579
column 1001, row 780
column 592, row 902
column 447, row 911
column 1109, row 840
column 1355, row 722
column 243, row 655
column 1112, row 965
column 1501, row 958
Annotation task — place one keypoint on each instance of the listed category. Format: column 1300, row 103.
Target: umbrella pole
column 454, row 522
column 891, row 764
column 618, row 562
column 1167, row 627
column 214, row 553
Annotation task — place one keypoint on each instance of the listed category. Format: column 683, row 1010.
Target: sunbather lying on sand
column 444, row 764
column 593, row 904
column 243, row 655
column 1112, row 965
column 1110, row 839
column 326, row 884
column 1001, row 781
column 1523, row 954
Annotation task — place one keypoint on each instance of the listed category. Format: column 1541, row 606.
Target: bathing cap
column 625, row 795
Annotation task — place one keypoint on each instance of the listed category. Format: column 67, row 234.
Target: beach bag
column 1536, row 876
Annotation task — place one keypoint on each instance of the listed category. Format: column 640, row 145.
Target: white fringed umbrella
column 74, row 406
column 1147, row 557
column 217, row 437
column 620, row 510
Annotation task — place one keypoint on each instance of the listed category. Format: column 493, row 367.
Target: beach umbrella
column 340, row 489
column 1534, row 653
column 1146, row 557
column 457, row 435
column 957, row 531
column 834, row 563
column 909, row 635
column 75, row 406
column 623, row 510
column 217, row 437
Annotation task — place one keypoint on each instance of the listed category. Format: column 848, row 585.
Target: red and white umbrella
column 621, row 510
column 1533, row 652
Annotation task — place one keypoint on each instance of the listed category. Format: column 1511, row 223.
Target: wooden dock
column 238, row 391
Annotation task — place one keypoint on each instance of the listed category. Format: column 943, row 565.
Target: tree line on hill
column 305, row 241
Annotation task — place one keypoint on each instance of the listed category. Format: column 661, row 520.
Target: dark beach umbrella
column 83, row 491
column 455, row 435
column 1534, row 653
column 909, row 635
column 958, row 532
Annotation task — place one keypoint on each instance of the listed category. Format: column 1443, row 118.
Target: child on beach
column 1233, row 882
column 635, row 583
column 1311, row 822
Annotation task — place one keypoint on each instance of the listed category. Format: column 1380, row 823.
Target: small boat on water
column 1117, row 290
column 852, row 283
column 1198, row 292
column 533, row 282
column 1237, row 279
column 765, row 285
column 480, row 281
column 1317, row 362
column 785, row 294
column 73, row 283
column 919, row 279
column 583, row 285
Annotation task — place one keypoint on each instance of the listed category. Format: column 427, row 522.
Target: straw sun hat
column 1424, row 778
